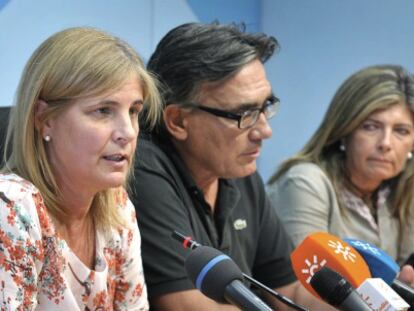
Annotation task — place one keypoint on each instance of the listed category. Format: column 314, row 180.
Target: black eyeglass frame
column 271, row 101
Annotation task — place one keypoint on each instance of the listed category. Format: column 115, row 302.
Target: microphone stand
column 280, row 297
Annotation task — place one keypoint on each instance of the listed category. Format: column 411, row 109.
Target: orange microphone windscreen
column 323, row 249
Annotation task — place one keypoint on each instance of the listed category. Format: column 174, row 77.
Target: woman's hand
column 407, row 275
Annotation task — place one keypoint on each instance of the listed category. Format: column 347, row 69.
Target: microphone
column 380, row 296
column 405, row 291
column 188, row 242
column 383, row 266
column 330, row 251
column 220, row 279
column 337, row 291
column 380, row 264
column 323, row 249
column 410, row 260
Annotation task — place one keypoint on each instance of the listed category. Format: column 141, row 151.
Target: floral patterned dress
column 38, row 270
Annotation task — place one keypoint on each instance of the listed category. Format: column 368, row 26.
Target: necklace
column 86, row 285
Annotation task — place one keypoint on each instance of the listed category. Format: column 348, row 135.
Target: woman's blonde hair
column 72, row 64
column 366, row 91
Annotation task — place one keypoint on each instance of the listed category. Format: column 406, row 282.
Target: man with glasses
column 246, row 117
column 196, row 171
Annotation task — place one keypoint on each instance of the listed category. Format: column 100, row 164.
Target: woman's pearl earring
column 342, row 147
column 47, row 138
column 409, row 155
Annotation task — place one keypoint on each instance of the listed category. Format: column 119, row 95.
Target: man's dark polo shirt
column 244, row 225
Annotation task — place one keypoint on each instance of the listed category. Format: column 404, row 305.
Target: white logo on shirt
column 240, row 224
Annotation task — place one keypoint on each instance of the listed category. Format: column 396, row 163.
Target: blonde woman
column 69, row 238
column 355, row 177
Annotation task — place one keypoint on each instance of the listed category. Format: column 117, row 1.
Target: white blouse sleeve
column 21, row 250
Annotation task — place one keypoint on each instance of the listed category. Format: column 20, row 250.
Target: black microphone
column 410, row 260
column 405, row 291
column 188, row 242
column 219, row 278
column 337, row 291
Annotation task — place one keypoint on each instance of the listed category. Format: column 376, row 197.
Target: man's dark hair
column 193, row 54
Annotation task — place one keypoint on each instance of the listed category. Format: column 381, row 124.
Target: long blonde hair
column 72, row 64
column 368, row 90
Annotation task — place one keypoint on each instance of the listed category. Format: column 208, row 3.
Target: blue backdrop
column 323, row 42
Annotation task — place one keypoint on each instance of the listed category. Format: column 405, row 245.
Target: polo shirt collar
column 227, row 198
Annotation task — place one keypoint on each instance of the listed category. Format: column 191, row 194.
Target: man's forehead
column 249, row 86
column 232, row 99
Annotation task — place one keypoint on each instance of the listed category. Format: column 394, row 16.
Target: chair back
column 4, row 121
